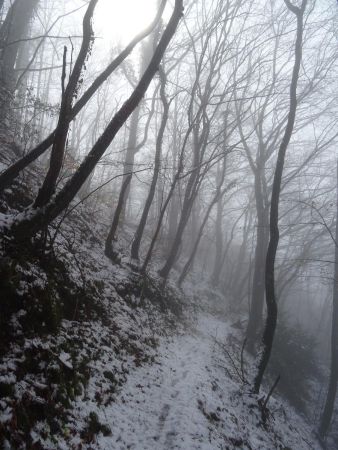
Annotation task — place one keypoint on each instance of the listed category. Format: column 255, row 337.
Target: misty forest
column 168, row 224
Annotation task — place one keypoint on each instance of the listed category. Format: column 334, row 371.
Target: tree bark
column 271, row 301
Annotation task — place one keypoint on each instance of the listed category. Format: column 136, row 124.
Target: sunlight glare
column 120, row 21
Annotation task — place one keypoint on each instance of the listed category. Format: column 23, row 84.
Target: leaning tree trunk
column 128, row 166
column 109, row 246
column 35, row 220
column 271, row 302
column 135, row 248
column 8, row 176
column 332, row 390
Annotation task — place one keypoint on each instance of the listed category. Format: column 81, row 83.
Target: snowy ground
column 183, row 394
column 186, row 400
column 158, row 407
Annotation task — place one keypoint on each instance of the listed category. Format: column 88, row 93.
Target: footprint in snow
column 175, row 394
column 169, row 440
column 164, row 415
column 177, row 380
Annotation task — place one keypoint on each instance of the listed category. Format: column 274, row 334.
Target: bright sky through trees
column 123, row 19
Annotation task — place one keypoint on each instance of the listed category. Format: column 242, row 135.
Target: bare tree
column 203, row 110
column 271, row 303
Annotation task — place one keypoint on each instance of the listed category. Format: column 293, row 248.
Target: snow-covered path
column 186, row 400
column 160, row 405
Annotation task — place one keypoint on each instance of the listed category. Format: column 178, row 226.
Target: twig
column 242, row 359
column 63, row 76
column 273, row 387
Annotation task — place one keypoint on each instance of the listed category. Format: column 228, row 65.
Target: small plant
column 112, row 378
column 94, row 427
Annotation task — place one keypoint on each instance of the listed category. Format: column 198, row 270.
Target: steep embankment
column 72, row 326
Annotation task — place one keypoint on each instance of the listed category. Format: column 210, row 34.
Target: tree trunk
column 60, row 137
column 216, row 273
column 109, row 248
column 13, row 29
column 135, row 248
column 132, row 148
column 332, row 390
column 271, row 303
column 258, row 282
column 128, row 165
column 174, row 204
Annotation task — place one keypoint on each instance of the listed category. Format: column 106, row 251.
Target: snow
column 158, row 407
column 5, row 221
column 66, row 359
column 6, row 415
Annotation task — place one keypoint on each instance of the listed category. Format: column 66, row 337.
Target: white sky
column 122, row 19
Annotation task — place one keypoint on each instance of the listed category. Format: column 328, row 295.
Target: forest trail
column 160, row 406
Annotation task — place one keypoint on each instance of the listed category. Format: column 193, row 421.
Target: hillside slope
column 95, row 356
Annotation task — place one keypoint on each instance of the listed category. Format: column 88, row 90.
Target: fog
column 204, row 160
